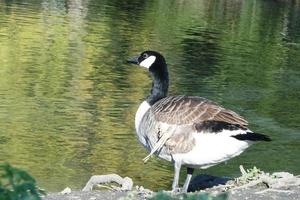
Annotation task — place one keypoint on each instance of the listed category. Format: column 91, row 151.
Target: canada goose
column 187, row 130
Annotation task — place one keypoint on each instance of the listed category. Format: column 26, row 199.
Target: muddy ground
column 253, row 184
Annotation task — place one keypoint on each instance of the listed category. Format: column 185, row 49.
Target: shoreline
column 252, row 184
column 247, row 193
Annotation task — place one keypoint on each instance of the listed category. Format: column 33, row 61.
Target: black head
column 151, row 60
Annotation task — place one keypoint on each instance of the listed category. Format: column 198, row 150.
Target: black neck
column 160, row 84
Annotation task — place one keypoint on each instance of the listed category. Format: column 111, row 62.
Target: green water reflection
column 67, row 99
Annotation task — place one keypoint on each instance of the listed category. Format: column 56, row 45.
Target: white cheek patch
column 148, row 62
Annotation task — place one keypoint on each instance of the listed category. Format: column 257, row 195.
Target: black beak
column 134, row 60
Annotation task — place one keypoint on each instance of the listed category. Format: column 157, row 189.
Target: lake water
column 68, row 99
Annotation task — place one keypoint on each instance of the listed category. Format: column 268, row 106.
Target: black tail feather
column 252, row 137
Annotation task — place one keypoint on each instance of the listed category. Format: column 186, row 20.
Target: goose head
column 151, row 60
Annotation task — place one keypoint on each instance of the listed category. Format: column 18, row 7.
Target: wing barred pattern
column 183, row 110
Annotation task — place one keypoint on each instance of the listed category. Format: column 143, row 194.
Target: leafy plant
column 17, row 184
column 249, row 175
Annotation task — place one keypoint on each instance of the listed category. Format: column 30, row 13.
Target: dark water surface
column 68, row 100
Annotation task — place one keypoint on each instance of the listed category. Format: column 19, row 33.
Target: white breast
column 144, row 107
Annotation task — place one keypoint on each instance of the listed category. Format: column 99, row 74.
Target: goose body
column 190, row 141
column 187, row 130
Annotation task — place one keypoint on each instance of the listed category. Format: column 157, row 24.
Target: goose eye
column 145, row 55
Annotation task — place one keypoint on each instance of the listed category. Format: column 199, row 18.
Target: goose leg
column 177, row 166
column 188, row 179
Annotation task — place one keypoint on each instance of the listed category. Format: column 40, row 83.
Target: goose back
column 182, row 110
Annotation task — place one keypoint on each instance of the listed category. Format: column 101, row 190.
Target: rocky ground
column 252, row 184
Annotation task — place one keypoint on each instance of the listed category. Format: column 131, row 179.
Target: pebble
column 67, row 190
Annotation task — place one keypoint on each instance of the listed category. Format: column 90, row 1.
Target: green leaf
column 17, row 184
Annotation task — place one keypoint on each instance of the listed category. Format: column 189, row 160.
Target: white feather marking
column 148, row 62
column 229, row 133
column 161, row 142
column 144, row 107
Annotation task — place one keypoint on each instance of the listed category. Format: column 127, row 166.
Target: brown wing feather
column 193, row 110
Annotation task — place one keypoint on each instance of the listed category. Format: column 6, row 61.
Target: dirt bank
column 252, row 184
